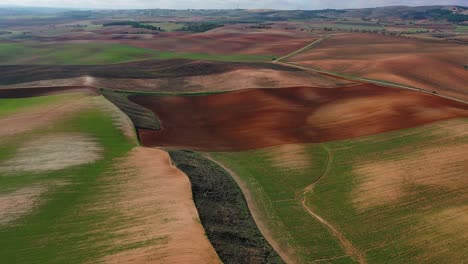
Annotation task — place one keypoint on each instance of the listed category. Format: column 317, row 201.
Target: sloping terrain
column 73, row 181
column 165, row 75
column 431, row 65
column 157, row 220
column 399, row 196
column 267, row 117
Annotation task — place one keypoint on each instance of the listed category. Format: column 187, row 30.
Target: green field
column 63, row 226
column 97, row 53
column 9, row 106
column 415, row 227
column 461, row 28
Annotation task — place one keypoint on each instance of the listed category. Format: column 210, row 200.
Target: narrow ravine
column 224, row 212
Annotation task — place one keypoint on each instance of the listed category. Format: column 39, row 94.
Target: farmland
column 66, row 199
column 375, row 213
column 288, row 115
column 234, row 136
column 395, row 60
column 97, row 53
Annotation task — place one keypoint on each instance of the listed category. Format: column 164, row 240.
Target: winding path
column 287, row 255
column 353, row 78
column 348, row 247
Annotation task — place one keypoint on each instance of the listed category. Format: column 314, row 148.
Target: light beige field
column 156, row 199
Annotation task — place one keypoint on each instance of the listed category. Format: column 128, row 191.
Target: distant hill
column 456, row 14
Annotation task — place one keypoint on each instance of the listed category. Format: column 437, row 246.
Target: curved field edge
column 224, row 212
column 93, row 212
column 59, row 224
column 276, row 190
column 404, row 230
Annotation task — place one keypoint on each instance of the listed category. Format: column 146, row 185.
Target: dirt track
column 267, row 117
column 434, row 66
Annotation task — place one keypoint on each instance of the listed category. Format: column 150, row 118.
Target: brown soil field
column 156, row 199
column 165, row 75
column 257, row 118
column 232, row 39
column 431, row 65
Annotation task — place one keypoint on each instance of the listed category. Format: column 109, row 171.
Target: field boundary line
column 284, row 254
column 371, row 81
column 348, row 247
column 353, row 78
column 310, row 45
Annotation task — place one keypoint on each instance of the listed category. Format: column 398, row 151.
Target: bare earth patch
column 53, row 152
column 290, row 156
column 383, row 182
column 22, row 201
column 156, row 200
column 18, row 203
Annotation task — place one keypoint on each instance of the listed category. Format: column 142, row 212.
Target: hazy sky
column 227, row 4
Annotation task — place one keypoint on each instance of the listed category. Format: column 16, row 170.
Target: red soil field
column 258, row 118
column 431, row 65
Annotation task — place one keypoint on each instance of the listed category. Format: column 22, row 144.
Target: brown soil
column 232, row 39
column 156, row 198
column 163, row 75
column 267, row 117
column 434, row 66
column 290, row 156
column 385, row 181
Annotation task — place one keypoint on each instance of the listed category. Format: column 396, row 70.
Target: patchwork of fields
column 407, row 208
column 75, row 188
column 98, row 53
column 234, row 136
column 431, row 65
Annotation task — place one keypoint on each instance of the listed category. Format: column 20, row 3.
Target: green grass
column 385, row 232
column 9, row 106
column 64, row 228
column 98, row 53
column 276, row 193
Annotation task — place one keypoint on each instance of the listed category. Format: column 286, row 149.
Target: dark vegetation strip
column 151, row 69
column 199, row 27
column 140, row 116
column 223, row 212
column 134, row 24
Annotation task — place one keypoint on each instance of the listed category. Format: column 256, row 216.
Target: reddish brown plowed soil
column 266, row 117
column 431, row 65
column 42, row 91
column 233, row 39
